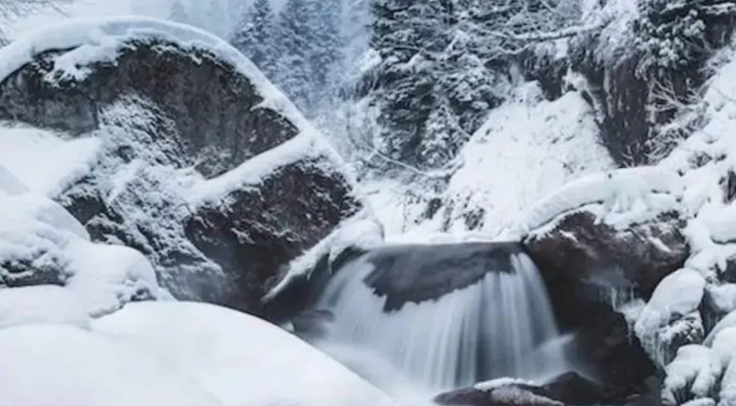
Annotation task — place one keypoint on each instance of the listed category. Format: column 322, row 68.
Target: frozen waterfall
column 500, row 324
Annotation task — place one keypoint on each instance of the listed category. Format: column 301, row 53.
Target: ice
column 241, row 359
column 43, row 304
column 46, row 365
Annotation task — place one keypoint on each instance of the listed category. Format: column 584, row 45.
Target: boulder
column 203, row 165
column 591, row 267
column 567, row 389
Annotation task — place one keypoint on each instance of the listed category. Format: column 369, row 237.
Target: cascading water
column 499, row 325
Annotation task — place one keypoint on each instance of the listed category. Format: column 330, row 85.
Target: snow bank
column 62, row 365
column 527, row 148
column 45, row 304
column 243, row 360
column 671, row 317
column 44, row 161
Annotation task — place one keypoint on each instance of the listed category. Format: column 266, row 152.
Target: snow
column 9, row 184
column 46, row 365
column 241, row 359
column 694, row 373
column 40, row 234
column 627, row 195
column 109, row 276
column 671, row 313
column 527, row 148
column 43, row 304
column 45, row 161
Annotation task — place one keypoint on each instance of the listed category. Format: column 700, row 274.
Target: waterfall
column 499, row 325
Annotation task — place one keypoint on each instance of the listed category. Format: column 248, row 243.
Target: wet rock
column 252, row 233
column 590, row 268
column 567, row 389
column 426, row 272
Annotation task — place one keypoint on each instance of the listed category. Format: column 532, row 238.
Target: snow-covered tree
column 325, row 58
column 179, row 13
column 254, row 36
column 446, row 63
column 294, row 42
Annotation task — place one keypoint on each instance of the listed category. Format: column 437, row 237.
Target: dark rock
column 416, row 273
column 585, row 263
column 253, row 232
column 566, row 389
column 311, row 324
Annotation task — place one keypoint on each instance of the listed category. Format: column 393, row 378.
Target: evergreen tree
column 326, row 54
column 294, row 44
column 254, row 36
column 179, row 13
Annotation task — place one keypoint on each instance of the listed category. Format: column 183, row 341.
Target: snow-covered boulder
column 599, row 241
column 197, row 161
column 42, row 244
column 671, row 318
column 240, row 359
column 51, row 364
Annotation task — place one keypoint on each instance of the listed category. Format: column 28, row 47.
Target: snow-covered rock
column 51, row 364
column 163, row 138
column 671, row 318
column 42, row 244
column 43, row 304
column 240, row 359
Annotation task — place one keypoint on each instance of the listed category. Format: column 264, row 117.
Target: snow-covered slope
column 527, row 148
column 239, row 358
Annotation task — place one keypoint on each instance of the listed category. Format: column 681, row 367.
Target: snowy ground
column 169, row 353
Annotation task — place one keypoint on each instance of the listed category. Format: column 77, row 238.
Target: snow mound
column 671, row 318
column 108, row 276
column 43, row 304
column 528, row 148
column 241, row 359
column 41, row 243
column 694, row 374
column 47, row 365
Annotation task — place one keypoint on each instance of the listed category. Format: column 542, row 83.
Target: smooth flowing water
column 501, row 325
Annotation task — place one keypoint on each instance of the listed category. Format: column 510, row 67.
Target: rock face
column 203, row 166
column 566, row 389
column 587, row 263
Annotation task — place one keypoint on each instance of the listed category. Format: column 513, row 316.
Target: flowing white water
column 501, row 326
